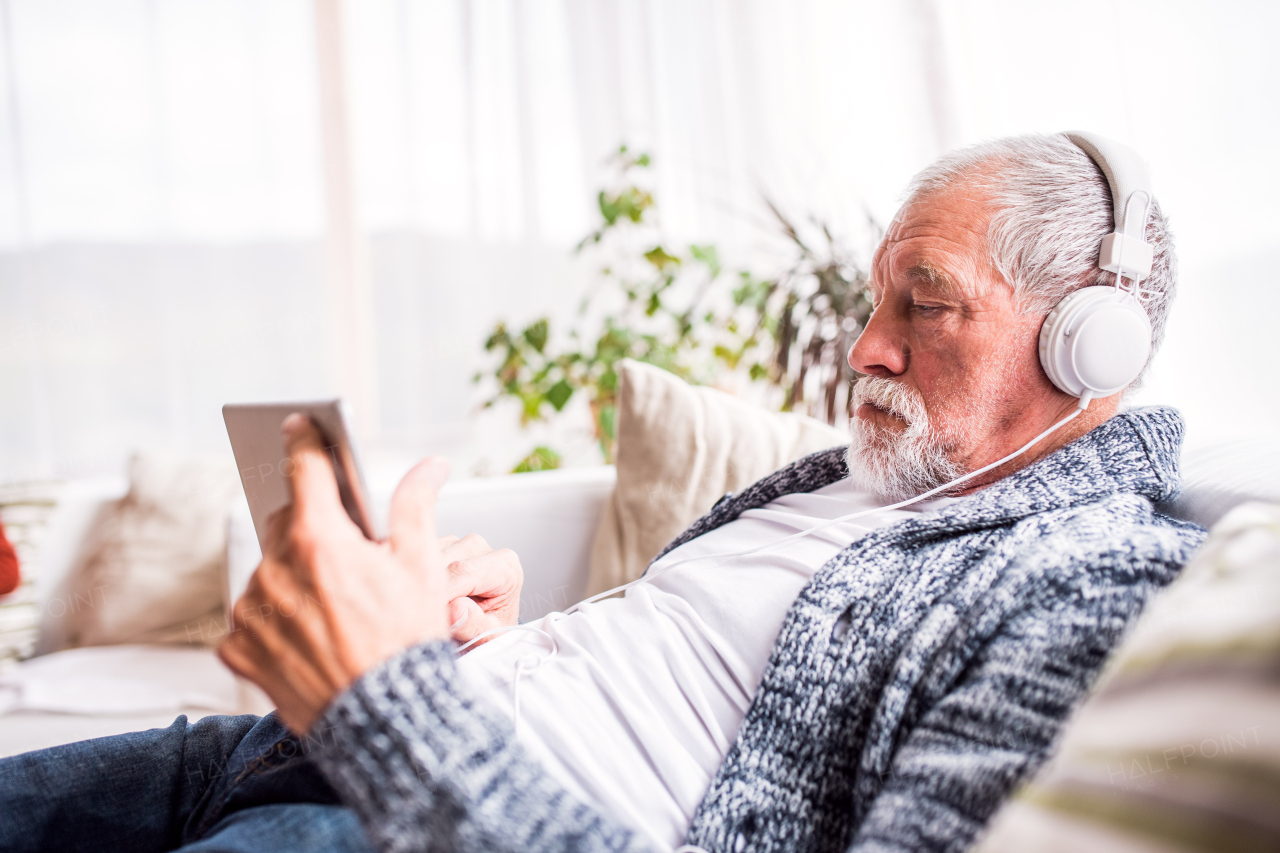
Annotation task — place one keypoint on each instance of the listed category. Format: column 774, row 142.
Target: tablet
column 258, row 445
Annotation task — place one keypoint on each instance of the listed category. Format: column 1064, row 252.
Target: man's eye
column 926, row 310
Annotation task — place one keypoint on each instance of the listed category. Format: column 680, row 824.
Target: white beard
column 896, row 466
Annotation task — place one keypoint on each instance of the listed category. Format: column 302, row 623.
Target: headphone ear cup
column 1097, row 340
column 1047, row 349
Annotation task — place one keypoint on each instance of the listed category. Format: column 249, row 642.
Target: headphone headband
column 1125, row 251
column 1125, row 170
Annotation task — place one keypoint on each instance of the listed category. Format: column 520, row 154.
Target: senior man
column 785, row 678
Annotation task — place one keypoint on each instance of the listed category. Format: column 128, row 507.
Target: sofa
column 67, row 694
column 583, row 530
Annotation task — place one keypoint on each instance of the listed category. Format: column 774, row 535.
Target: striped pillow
column 1179, row 747
column 24, row 509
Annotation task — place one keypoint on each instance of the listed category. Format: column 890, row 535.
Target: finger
column 466, row 548
column 446, row 541
column 311, row 479
column 266, row 671
column 243, row 651
column 458, row 613
column 249, row 615
column 486, row 576
column 263, row 649
column 244, row 609
column 244, row 658
column 412, row 521
column 467, row 620
column 278, row 522
column 235, row 657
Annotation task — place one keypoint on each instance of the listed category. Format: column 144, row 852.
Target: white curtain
column 162, row 205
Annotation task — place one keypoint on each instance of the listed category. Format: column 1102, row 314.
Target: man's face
column 953, row 364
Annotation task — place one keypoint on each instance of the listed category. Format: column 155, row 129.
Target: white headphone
column 1097, row 340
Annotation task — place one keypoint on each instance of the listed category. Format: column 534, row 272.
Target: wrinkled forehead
column 938, row 238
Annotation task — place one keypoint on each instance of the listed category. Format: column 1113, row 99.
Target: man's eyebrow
column 939, row 279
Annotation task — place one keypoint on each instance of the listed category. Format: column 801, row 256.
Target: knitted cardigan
column 920, row 674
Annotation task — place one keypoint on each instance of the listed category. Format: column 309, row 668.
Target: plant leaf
column 709, row 256
column 537, row 333
column 659, row 257
column 559, row 394
column 542, row 458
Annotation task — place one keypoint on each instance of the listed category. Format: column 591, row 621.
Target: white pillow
column 154, row 564
column 680, row 449
column 1219, row 477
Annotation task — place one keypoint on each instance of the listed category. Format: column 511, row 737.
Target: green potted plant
column 684, row 311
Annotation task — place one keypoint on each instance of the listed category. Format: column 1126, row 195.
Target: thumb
column 466, row 619
column 412, row 520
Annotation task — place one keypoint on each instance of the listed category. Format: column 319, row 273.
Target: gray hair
column 1052, row 207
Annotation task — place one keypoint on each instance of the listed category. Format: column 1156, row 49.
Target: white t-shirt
column 645, row 693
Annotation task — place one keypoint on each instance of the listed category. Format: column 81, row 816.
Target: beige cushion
column 153, row 564
column 680, row 449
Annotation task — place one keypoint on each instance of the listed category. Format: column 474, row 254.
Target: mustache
column 891, row 396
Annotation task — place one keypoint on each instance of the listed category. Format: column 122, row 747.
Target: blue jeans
column 222, row 784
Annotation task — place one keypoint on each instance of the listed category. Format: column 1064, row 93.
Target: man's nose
column 878, row 351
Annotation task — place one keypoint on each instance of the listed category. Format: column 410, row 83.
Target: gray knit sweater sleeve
column 428, row 766
column 997, row 723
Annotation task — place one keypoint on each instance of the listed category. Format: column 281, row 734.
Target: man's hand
column 484, row 586
column 326, row 604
